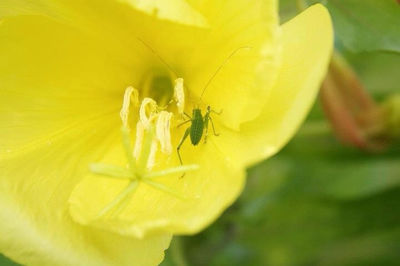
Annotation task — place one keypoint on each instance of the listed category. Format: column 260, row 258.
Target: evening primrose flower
column 73, row 73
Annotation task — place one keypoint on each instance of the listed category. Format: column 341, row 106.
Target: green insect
column 195, row 131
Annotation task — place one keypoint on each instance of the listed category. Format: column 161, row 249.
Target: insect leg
column 184, row 122
column 212, row 124
column 206, row 119
column 187, row 132
column 187, row 115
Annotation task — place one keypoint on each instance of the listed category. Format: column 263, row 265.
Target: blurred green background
column 317, row 202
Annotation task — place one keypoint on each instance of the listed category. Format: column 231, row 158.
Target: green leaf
column 6, row 262
column 367, row 25
column 322, row 166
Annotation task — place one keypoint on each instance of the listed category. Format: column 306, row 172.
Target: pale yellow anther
column 179, row 95
column 135, row 97
column 147, row 111
column 163, row 131
column 151, row 117
column 128, row 97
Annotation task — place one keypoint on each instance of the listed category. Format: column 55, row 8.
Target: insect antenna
column 157, row 55
column 220, row 67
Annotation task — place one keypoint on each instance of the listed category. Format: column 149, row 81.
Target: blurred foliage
column 367, row 25
column 5, row 262
column 360, row 25
column 318, row 202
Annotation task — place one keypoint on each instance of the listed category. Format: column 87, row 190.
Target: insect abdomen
column 196, row 129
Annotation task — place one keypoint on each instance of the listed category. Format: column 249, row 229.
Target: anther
column 124, row 113
column 163, row 131
column 179, row 95
column 150, row 105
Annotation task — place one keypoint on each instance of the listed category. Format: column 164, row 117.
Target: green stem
column 176, row 250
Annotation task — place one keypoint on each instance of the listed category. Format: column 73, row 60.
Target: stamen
column 126, row 142
column 147, row 104
column 146, row 148
column 152, row 156
column 135, row 98
column 126, row 102
column 163, row 131
column 153, row 127
column 148, row 113
column 179, row 95
column 139, row 139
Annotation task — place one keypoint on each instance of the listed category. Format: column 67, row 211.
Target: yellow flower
column 64, row 70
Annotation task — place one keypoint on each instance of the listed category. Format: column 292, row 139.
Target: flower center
column 158, row 85
column 153, row 134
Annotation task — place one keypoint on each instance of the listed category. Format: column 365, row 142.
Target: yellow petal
column 60, row 98
column 194, row 53
column 25, row 7
column 307, row 46
column 197, row 54
column 174, row 10
column 202, row 196
column 53, row 78
column 236, row 88
column 35, row 225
